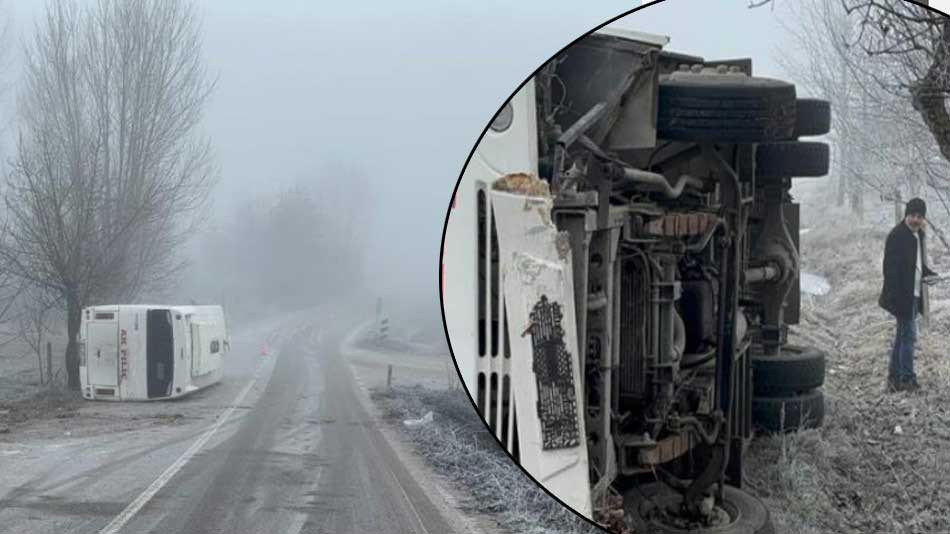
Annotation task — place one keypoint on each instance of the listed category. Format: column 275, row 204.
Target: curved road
column 300, row 454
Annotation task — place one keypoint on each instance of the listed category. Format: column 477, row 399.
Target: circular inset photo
column 641, row 258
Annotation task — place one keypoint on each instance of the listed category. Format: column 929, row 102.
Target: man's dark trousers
column 901, row 369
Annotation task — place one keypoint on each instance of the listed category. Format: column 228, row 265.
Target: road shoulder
column 437, row 489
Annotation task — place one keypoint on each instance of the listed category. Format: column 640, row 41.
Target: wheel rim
column 661, row 513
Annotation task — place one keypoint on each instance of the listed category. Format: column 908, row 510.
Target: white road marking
column 163, row 479
column 412, row 506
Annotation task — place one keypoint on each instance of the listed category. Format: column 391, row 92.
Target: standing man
column 904, row 272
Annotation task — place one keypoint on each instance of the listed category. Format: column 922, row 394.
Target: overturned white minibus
column 142, row 352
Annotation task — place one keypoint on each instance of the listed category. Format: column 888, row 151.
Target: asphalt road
column 286, row 444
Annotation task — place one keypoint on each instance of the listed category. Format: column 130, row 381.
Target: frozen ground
column 29, row 411
column 285, row 443
column 881, row 461
column 19, row 368
column 462, row 451
column 453, row 443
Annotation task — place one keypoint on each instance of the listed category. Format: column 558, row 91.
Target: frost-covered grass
column 458, row 446
column 881, row 461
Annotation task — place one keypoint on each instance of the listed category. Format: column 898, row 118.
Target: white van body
column 150, row 352
column 496, row 372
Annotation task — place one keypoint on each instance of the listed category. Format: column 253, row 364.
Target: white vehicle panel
column 536, row 269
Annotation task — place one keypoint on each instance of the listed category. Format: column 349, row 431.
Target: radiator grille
column 634, row 322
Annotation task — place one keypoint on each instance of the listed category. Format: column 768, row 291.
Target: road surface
column 285, row 444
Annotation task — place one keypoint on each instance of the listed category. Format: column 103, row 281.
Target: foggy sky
column 402, row 90
column 723, row 29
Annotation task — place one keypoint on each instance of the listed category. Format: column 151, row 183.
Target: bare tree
column 913, row 42
column 881, row 143
column 33, row 326
column 759, row 3
column 10, row 287
column 110, row 174
column 818, row 64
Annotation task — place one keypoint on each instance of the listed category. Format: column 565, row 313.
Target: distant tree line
column 303, row 246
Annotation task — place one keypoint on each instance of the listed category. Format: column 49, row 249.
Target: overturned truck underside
column 650, row 273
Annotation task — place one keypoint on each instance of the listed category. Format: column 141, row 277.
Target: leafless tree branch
column 111, row 172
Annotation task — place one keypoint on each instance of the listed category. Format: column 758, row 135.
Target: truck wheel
column 654, row 507
column 728, row 109
column 791, row 158
column 796, row 370
column 812, row 117
column 801, row 411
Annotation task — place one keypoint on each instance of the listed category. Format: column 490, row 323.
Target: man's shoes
column 906, row 384
column 911, row 384
column 893, row 386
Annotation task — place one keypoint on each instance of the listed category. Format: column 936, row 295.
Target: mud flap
column 545, row 370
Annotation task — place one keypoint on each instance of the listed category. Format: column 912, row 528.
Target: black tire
column 791, row 159
column 812, row 117
column 801, row 412
column 749, row 515
column 729, row 109
column 796, row 370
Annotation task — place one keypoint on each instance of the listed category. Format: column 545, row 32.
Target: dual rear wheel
column 786, row 389
column 729, row 108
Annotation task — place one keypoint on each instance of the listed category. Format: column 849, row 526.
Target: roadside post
column 382, row 322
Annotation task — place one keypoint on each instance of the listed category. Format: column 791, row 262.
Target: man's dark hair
column 916, row 206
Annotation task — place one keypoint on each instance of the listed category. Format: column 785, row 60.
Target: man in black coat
column 904, row 274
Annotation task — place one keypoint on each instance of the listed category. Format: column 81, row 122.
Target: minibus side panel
column 102, row 354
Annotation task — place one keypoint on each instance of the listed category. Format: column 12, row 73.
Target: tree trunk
column 49, row 362
column 914, row 185
column 73, row 321
column 844, row 167
column 857, row 199
column 39, row 357
column 927, row 95
column 842, row 182
column 898, row 206
column 856, row 187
